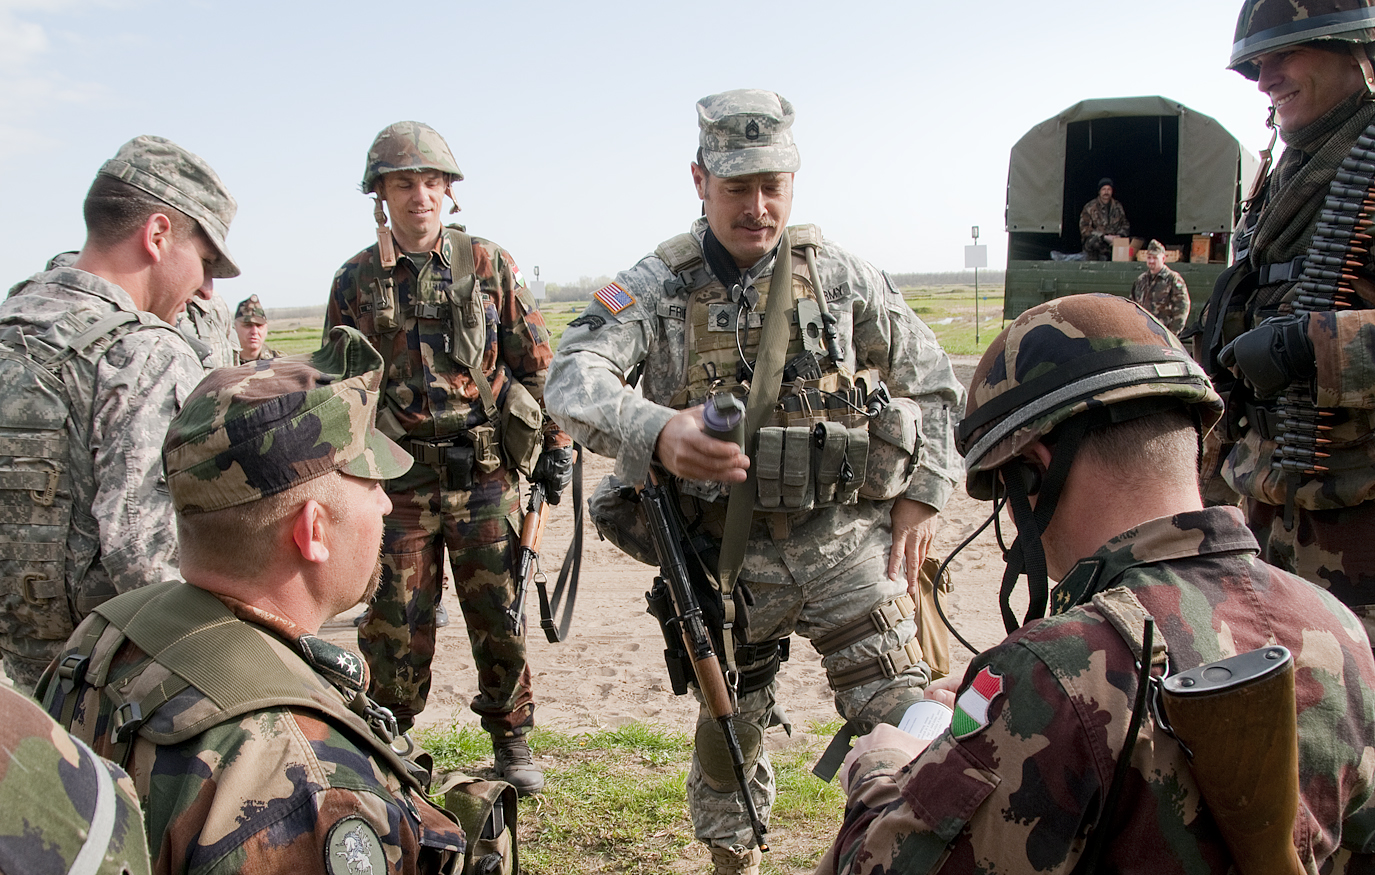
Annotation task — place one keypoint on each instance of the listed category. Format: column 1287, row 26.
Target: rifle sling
column 568, row 573
column 764, row 387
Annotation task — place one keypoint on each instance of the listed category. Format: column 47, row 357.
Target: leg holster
column 881, row 619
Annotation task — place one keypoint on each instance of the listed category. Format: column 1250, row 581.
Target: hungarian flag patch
column 971, row 708
column 614, row 298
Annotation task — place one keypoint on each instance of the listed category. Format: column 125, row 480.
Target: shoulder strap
column 1128, row 616
column 680, row 252
column 190, row 633
column 805, row 235
column 463, row 268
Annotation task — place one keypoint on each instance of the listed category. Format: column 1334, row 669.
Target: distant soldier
column 62, row 808
column 467, row 350
column 1101, row 221
column 1288, row 330
column 1085, row 413
column 91, row 372
column 249, row 736
column 1161, row 291
column 207, row 325
column 250, row 323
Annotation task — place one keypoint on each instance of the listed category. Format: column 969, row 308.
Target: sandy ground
column 610, row 670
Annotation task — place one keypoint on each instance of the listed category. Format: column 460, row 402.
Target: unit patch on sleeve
column 614, row 298
column 971, row 708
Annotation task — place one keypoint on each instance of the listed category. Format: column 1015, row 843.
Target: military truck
column 1178, row 173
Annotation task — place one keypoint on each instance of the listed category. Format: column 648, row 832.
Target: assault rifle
column 686, row 614
column 527, row 560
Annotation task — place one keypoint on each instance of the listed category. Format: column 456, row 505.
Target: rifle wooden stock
column 696, row 638
column 527, row 556
column 1238, row 719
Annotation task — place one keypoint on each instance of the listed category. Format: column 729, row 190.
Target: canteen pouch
column 894, row 449
column 486, row 455
column 521, row 428
column 618, row 520
column 487, row 812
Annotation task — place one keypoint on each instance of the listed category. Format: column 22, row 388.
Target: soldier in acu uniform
column 831, row 556
column 466, row 353
column 1160, row 291
column 249, row 738
column 91, row 372
column 62, row 808
column 1088, row 408
column 1287, row 332
column 207, row 325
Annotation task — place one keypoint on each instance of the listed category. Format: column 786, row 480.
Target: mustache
column 755, row 226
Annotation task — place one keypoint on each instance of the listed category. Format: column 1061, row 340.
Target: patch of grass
column 950, row 312
column 615, row 800
column 557, row 315
column 305, row 338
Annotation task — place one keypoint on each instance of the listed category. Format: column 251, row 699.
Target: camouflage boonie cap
column 1156, row 247
column 747, row 131
column 251, row 310
column 182, row 180
column 1269, row 25
column 1065, row 357
column 407, row 146
column 257, row 429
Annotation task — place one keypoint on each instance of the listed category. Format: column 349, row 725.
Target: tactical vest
column 219, row 668
column 38, row 431
column 449, row 303
column 814, row 451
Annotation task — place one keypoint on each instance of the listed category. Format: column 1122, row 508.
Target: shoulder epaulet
column 680, row 252
column 805, row 235
column 1128, row 616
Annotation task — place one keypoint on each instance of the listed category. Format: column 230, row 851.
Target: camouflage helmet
column 1269, row 25
column 1063, row 358
column 254, row 430
column 407, row 146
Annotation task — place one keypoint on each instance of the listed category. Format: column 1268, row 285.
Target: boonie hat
column 254, row 430
column 747, row 131
column 251, row 310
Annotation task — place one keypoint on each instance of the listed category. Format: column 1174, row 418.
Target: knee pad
column 714, row 756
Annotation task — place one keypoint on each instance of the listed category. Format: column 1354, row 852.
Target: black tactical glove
column 1273, row 354
column 554, row 471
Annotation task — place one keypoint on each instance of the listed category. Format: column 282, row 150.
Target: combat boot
column 733, row 861
column 516, row 766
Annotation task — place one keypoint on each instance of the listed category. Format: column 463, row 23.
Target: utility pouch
column 467, row 324
column 521, row 428
column 618, row 520
column 830, row 439
column 486, row 453
column 660, row 607
column 383, row 315
column 894, row 450
column 785, row 469
column 458, row 467
column 487, row 812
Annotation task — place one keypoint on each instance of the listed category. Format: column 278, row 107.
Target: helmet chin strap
column 1362, row 58
column 1027, row 554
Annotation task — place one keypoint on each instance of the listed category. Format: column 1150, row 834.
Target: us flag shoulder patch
column 614, row 298
column 971, row 708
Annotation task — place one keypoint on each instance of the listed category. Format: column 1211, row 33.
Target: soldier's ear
column 308, row 532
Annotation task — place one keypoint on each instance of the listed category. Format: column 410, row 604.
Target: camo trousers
column 856, row 587
column 1334, row 549
column 397, row 637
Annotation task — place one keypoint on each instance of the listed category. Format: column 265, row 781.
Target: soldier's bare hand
column 914, row 527
column 689, row 452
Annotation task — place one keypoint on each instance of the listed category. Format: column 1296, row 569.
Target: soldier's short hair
column 237, row 540
column 114, row 209
column 1162, row 446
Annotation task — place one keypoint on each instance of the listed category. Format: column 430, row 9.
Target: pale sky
column 573, row 122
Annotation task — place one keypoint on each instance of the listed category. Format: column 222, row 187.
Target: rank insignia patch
column 614, row 298
column 971, row 708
